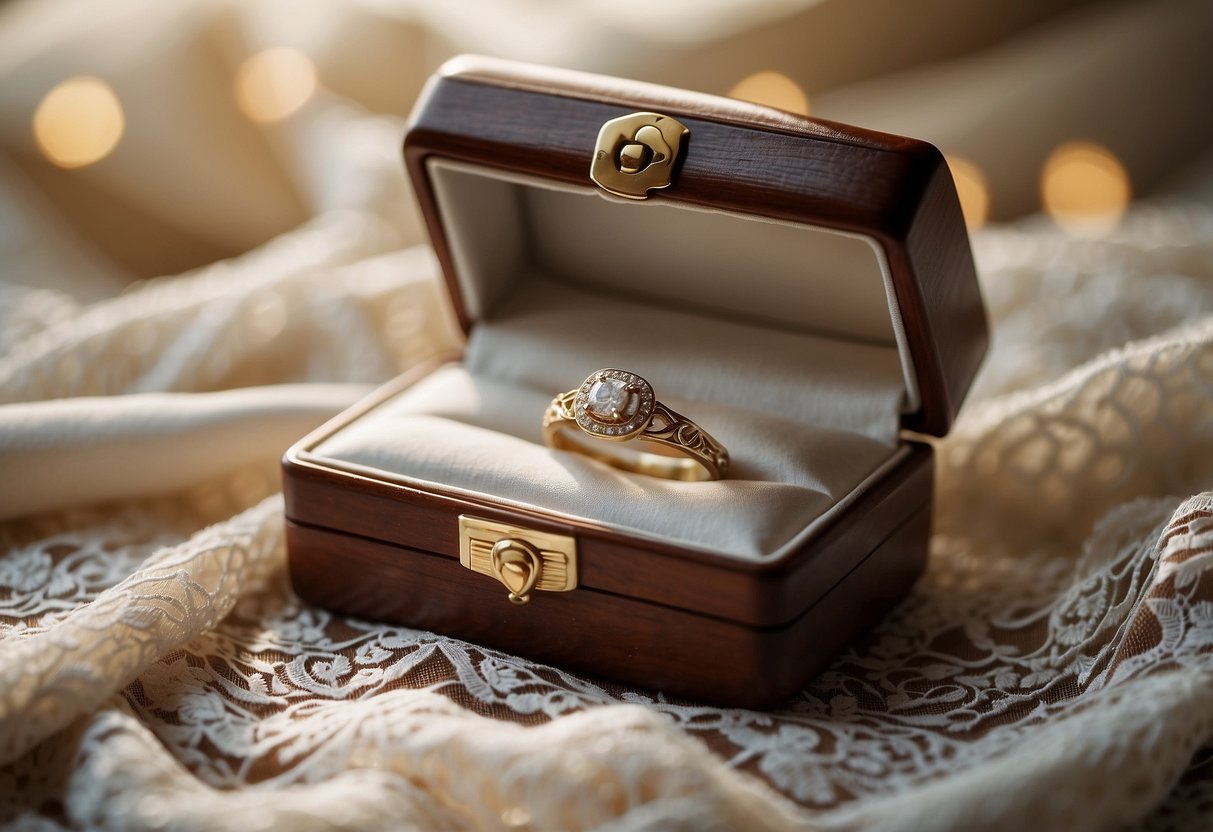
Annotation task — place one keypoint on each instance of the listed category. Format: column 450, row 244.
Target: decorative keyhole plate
column 637, row 153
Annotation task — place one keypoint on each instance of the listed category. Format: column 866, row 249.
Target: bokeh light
column 275, row 83
column 1084, row 188
column 972, row 189
column 773, row 89
column 79, row 122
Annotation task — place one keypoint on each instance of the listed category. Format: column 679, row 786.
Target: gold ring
column 618, row 406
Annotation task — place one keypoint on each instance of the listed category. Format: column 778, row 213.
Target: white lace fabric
column 1053, row 668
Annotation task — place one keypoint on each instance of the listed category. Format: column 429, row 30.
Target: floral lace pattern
column 1053, row 666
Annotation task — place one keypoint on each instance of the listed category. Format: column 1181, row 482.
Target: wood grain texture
column 693, row 623
column 602, row 634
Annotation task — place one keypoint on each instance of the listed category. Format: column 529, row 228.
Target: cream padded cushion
column 550, row 336
column 561, row 282
column 475, row 428
column 468, row 433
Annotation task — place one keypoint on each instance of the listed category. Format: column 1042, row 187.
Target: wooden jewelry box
column 803, row 290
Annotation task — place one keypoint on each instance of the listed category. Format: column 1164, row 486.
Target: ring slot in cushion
column 472, row 433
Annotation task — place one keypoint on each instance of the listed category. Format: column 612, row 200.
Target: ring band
column 616, row 406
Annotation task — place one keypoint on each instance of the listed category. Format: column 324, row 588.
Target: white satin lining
column 468, row 432
column 505, row 228
column 795, row 365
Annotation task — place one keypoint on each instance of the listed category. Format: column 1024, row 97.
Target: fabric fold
column 67, row 452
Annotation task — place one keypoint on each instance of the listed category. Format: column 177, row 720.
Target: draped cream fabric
column 1052, row 670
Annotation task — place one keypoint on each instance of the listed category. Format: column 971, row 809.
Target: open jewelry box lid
column 849, row 196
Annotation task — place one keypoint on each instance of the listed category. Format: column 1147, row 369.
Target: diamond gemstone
column 608, row 397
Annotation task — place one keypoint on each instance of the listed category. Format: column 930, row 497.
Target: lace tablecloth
column 1053, row 667
column 1052, row 670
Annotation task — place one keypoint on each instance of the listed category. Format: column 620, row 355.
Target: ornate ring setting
column 618, row 406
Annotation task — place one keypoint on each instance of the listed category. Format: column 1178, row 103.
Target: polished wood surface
column 695, row 624
column 602, row 634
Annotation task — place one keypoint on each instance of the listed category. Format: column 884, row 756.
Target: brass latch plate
column 637, row 153
column 523, row 560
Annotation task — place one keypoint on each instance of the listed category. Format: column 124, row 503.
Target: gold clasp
column 524, row 560
column 517, row 565
column 637, row 153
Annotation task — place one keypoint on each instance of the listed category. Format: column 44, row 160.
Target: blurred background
column 142, row 138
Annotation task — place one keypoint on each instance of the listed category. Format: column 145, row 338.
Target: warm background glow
column 972, row 189
column 273, row 84
column 1084, row 188
column 773, row 89
column 79, row 122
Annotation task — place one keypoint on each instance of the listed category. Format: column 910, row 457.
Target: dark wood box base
column 647, row 645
